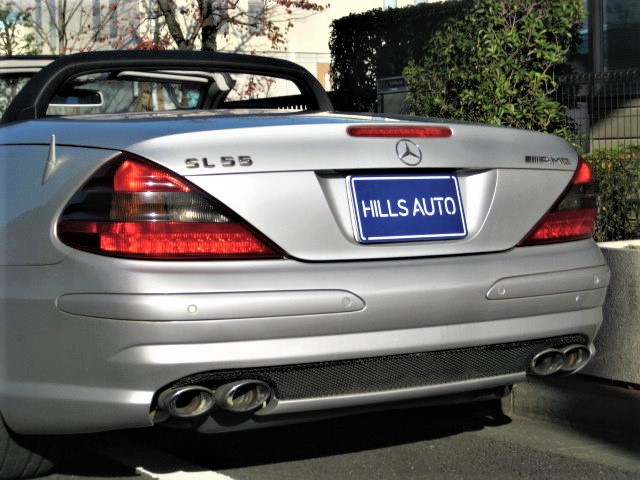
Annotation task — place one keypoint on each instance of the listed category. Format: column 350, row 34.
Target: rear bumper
column 89, row 342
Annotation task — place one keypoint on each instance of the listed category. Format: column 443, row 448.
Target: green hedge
column 496, row 65
column 617, row 170
column 379, row 43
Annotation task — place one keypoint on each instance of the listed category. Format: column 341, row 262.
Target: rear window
column 10, row 85
column 161, row 91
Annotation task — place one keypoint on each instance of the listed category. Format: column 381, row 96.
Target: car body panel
column 91, row 342
column 501, row 193
column 111, row 364
column 27, row 202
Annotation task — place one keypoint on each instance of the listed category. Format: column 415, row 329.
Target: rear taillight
column 135, row 209
column 574, row 215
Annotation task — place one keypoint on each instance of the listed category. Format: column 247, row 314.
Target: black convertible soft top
column 33, row 100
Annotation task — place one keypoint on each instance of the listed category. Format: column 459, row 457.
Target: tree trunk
column 209, row 39
column 62, row 28
column 209, row 29
column 174, row 27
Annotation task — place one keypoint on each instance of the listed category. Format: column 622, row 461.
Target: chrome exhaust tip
column 186, row 402
column 547, row 362
column 242, row 396
column 575, row 357
column 567, row 359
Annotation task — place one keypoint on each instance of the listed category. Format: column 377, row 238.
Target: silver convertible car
column 198, row 240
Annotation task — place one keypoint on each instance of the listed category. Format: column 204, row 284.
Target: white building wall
column 89, row 25
column 312, row 33
column 308, row 40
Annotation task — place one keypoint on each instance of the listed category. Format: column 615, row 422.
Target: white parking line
column 180, row 475
column 148, row 462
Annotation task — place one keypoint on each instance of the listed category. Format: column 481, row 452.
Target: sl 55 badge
column 227, row 161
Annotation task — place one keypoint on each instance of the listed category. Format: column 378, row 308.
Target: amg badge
column 544, row 159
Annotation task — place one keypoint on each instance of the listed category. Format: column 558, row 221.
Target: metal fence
column 604, row 106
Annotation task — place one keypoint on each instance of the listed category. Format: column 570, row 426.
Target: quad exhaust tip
column 560, row 360
column 241, row 396
column 186, row 402
column 576, row 356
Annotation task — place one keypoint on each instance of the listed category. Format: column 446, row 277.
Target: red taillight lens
column 399, row 131
column 135, row 209
column 134, row 177
column 574, row 216
column 583, row 173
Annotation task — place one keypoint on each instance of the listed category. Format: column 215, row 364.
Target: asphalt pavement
column 594, row 404
column 476, row 441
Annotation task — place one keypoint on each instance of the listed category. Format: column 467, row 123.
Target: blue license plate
column 401, row 208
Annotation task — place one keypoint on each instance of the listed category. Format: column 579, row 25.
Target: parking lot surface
column 459, row 442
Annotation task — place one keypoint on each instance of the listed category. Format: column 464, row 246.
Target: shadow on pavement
column 336, row 436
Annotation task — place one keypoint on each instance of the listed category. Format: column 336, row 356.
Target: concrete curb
column 618, row 342
column 579, row 401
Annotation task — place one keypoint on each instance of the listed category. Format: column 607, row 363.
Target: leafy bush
column 497, row 63
column 379, row 43
column 617, row 170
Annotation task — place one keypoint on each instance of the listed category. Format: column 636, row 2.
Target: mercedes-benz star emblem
column 409, row 152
